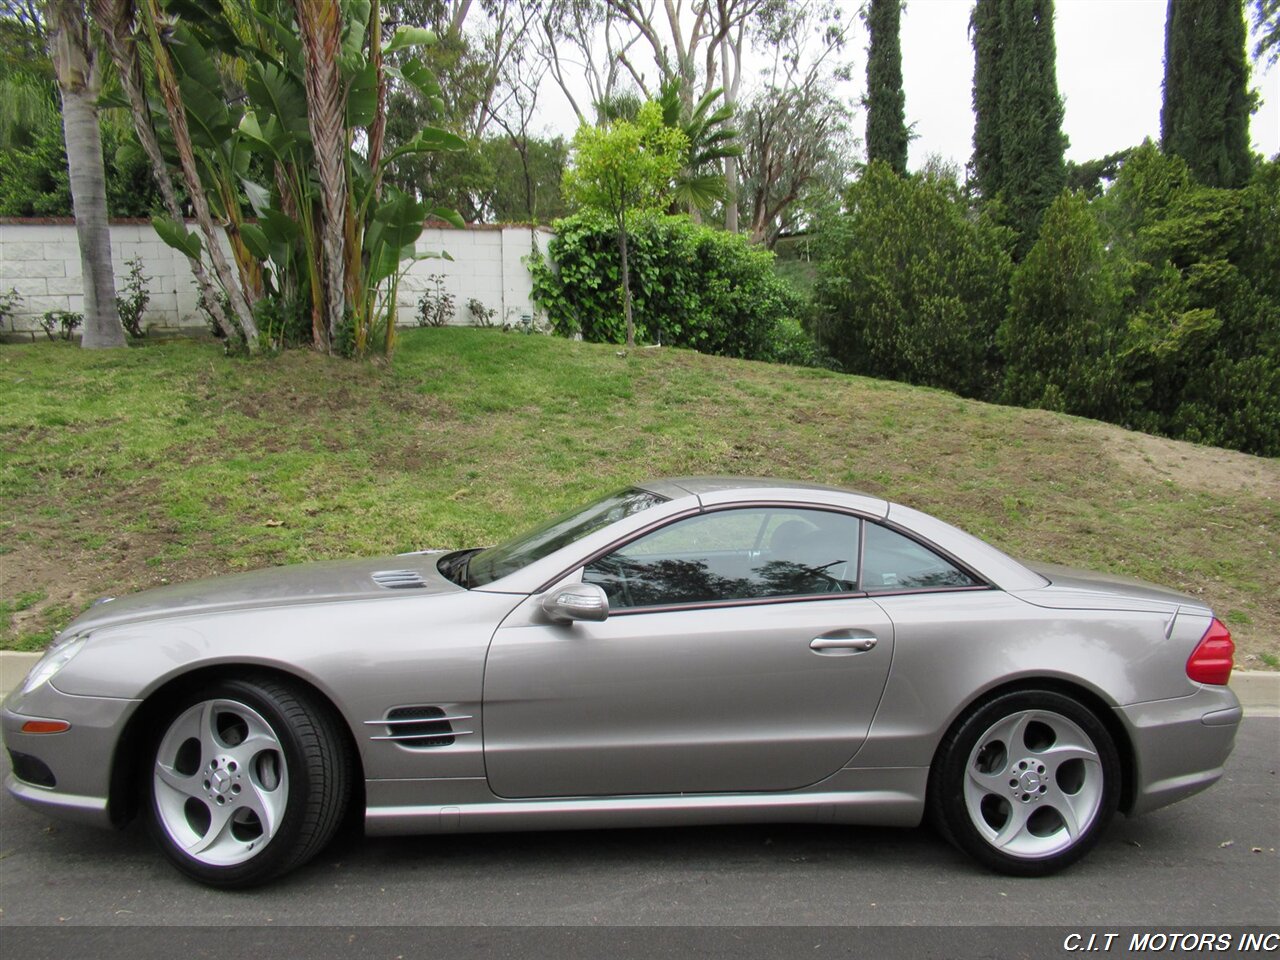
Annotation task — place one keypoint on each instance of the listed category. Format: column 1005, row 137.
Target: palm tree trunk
column 320, row 26
column 115, row 18
column 76, row 67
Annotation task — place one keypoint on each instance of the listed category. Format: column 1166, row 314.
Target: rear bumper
column 78, row 760
column 1180, row 745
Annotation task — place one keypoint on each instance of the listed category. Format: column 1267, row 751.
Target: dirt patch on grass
column 1204, row 469
column 71, row 576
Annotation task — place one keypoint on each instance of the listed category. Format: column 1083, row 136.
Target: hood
column 1088, row 589
column 408, row 575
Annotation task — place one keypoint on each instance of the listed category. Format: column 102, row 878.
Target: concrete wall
column 41, row 260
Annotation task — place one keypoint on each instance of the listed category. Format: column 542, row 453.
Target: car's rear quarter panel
column 952, row 648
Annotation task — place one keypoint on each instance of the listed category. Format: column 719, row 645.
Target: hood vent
column 398, row 579
column 421, row 726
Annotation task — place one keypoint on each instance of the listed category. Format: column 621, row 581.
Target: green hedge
column 911, row 287
column 1155, row 306
column 692, row 286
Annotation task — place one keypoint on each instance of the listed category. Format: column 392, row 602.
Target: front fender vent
column 420, row 726
column 398, row 579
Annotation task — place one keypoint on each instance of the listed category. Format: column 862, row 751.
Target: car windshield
column 506, row 558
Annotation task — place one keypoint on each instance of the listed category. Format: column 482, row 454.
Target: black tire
column 246, row 780
column 1025, row 783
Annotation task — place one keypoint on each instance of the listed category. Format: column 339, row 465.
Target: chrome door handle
column 847, row 641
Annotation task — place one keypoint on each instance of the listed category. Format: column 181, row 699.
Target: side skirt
column 872, row 797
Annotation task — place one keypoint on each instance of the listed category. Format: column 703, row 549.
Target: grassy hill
column 125, row 470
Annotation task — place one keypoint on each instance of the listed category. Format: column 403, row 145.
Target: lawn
column 123, row 470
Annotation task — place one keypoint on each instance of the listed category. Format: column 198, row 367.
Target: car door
column 738, row 655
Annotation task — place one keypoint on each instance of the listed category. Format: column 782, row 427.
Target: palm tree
column 76, row 66
column 701, row 182
column 154, row 21
column 116, row 20
column 320, row 26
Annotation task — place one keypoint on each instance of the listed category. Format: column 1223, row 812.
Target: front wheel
column 248, row 780
column 1027, row 783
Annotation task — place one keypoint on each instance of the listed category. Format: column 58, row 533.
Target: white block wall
column 489, row 264
column 42, row 262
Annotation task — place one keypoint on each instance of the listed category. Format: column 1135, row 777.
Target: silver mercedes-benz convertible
column 685, row 651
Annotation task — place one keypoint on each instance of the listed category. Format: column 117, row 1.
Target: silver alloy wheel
column 1033, row 784
column 220, row 782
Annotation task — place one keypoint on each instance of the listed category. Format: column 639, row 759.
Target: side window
column 891, row 561
column 733, row 555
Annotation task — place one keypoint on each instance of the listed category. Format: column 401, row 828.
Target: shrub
column 911, row 285
column 10, row 300
column 60, row 323
column 283, row 321
column 692, row 286
column 135, row 298
column 1064, row 328
column 481, row 315
column 436, row 305
column 1202, row 346
column 34, row 181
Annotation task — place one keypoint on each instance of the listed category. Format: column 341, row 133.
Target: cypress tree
column 984, row 26
column 1031, row 139
column 1018, row 139
column 886, row 102
column 1205, row 116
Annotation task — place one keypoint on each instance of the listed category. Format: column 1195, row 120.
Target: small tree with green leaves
column 624, row 168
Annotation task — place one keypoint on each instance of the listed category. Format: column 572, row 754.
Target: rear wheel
column 248, row 780
column 1026, row 783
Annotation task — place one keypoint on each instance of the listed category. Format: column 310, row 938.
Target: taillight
column 1211, row 660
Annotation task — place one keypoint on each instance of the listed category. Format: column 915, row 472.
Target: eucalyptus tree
column 482, row 56
column 693, row 46
column 796, row 130
column 585, row 40
column 76, row 66
column 798, row 149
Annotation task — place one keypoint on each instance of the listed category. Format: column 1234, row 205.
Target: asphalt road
column 1194, row 863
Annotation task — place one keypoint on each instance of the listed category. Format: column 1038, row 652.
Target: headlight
column 58, row 657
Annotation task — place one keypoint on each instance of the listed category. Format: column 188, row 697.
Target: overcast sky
column 1110, row 70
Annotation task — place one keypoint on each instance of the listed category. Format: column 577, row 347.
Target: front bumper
column 79, row 758
column 1180, row 745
